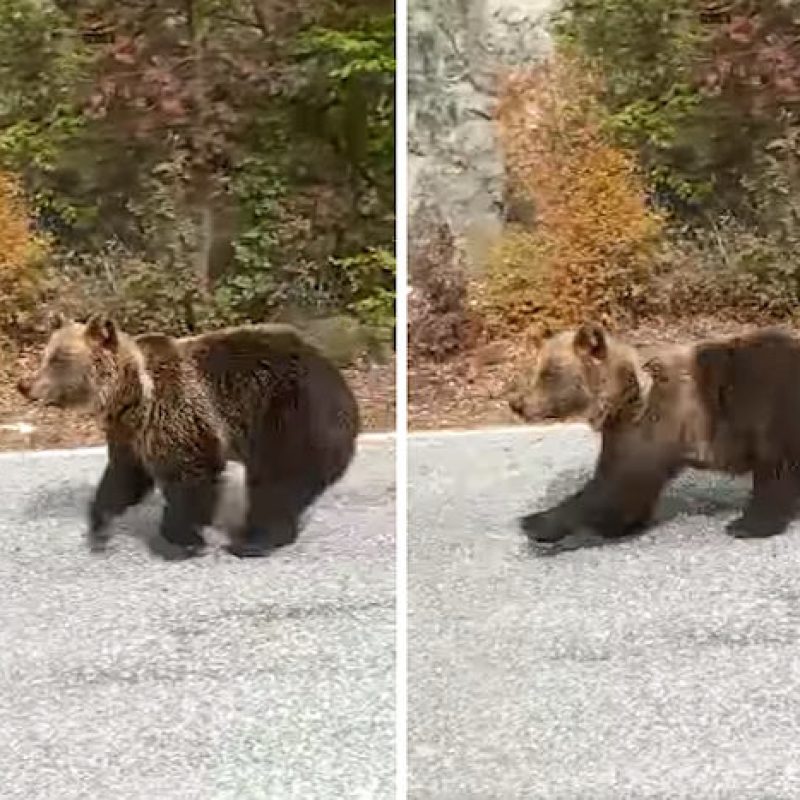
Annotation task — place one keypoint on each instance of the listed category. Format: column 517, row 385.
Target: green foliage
column 334, row 129
column 350, row 85
column 368, row 280
column 256, row 283
column 644, row 46
column 41, row 61
column 132, row 124
column 646, row 52
column 43, row 66
column 366, row 51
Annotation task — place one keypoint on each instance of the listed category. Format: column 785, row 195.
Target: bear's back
column 271, row 370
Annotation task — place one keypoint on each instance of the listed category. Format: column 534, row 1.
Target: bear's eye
column 547, row 375
column 58, row 361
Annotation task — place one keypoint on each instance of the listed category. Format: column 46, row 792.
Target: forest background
column 652, row 184
column 189, row 164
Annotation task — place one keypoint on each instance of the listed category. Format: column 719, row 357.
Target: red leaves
column 742, row 30
column 124, row 50
column 755, row 59
column 158, row 80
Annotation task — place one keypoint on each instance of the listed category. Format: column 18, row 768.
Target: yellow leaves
column 18, row 246
column 590, row 249
column 20, row 250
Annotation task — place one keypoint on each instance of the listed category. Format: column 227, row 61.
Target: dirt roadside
column 465, row 392
column 25, row 426
column 470, row 391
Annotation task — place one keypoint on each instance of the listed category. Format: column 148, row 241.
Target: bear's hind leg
column 273, row 515
column 298, row 450
column 190, row 507
column 125, row 483
column 772, row 504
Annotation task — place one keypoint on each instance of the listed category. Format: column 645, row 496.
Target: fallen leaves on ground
column 26, row 426
column 465, row 392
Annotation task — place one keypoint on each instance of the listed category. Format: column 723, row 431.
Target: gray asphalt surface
column 663, row 667
column 123, row 676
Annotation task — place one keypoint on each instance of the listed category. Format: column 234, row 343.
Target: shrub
column 141, row 295
column 367, row 282
column 709, row 96
column 518, row 294
column 21, row 256
column 728, row 271
column 591, row 246
column 647, row 52
column 440, row 321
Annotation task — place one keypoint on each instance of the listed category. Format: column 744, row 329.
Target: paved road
column 665, row 667
column 125, row 677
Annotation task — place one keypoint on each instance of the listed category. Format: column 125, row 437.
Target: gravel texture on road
column 663, row 667
column 126, row 677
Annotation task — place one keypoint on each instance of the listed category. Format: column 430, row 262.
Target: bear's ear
column 590, row 340
column 103, row 331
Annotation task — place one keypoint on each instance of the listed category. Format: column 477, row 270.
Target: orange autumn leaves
column 588, row 251
column 20, row 250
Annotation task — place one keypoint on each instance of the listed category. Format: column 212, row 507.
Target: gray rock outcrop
column 456, row 48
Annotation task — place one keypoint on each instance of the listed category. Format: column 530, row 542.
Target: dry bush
column 440, row 321
column 590, row 249
column 518, row 295
column 21, row 256
column 728, row 271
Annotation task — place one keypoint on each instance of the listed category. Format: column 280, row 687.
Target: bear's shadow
column 692, row 494
column 141, row 522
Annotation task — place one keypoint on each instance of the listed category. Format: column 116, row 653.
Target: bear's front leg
column 553, row 524
column 190, row 507
column 125, row 483
column 772, row 504
column 621, row 501
column 617, row 501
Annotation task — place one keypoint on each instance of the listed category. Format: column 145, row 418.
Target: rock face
column 455, row 50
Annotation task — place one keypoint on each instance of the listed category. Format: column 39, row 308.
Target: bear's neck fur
column 663, row 397
column 624, row 394
column 123, row 385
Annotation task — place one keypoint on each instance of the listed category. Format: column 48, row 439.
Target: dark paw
column 256, row 541
column 97, row 534
column 97, row 541
column 170, row 551
column 749, row 526
column 248, row 550
column 99, row 522
column 543, row 527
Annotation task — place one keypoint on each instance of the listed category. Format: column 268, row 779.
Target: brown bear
column 730, row 405
column 175, row 410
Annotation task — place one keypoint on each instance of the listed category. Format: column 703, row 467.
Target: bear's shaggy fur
column 174, row 410
column 730, row 405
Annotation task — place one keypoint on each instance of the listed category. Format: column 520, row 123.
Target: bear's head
column 581, row 374
column 79, row 361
